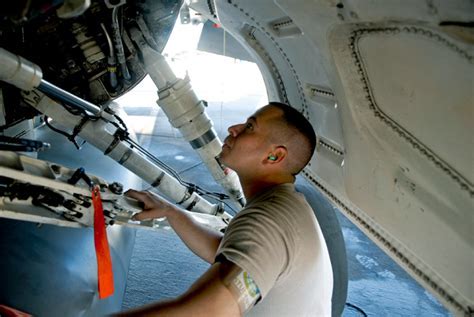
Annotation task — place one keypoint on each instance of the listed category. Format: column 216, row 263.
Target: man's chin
column 219, row 156
column 223, row 159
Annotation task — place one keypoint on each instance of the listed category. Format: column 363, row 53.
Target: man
column 272, row 259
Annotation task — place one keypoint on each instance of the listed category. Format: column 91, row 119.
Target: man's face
column 248, row 144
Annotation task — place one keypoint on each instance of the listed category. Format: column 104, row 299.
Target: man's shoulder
column 281, row 209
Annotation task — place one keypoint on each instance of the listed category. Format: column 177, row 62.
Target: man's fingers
column 153, row 205
column 139, row 216
column 131, row 193
column 138, row 195
column 144, row 215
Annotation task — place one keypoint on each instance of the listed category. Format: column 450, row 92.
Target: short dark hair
column 297, row 120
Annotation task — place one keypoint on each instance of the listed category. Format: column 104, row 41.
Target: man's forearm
column 208, row 296
column 202, row 240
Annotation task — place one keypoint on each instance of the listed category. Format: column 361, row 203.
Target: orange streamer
column 102, row 251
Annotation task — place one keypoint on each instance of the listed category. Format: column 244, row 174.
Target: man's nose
column 235, row 129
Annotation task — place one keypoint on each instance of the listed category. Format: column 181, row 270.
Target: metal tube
column 18, row 71
column 67, row 97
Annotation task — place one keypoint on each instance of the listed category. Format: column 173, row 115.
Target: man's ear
column 278, row 154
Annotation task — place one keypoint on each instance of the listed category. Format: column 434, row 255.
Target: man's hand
column 154, row 206
column 201, row 240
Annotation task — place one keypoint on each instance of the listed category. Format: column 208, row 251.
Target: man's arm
column 213, row 294
column 202, row 240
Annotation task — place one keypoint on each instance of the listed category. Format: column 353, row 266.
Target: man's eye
column 249, row 126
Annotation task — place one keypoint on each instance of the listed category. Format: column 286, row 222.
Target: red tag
column 11, row 312
column 105, row 275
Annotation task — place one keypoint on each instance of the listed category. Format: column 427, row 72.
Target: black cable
column 156, row 160
column 76, row 111
column 357, row 308
column 67, row 135
column 70, row 137
column 172, row 172
column 121, row 122
column 232, row 209
column 203, row 191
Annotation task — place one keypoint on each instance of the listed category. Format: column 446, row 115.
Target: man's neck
column 253, row 186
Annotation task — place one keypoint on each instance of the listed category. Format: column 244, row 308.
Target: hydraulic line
column 111, row 61
column 67, row 97
column 187, row 113
column 119, row 45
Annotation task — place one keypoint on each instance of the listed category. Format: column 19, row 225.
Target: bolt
column 116, row 188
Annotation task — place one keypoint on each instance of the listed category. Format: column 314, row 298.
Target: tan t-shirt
column 277, row 240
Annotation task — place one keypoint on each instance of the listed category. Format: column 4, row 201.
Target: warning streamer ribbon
column 102, row 251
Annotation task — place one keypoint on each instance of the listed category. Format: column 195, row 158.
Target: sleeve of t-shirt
column 259, row 243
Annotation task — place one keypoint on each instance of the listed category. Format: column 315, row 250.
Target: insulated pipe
column 101, row 134
column 18, row 71
column 186, row 113
column 26, row 75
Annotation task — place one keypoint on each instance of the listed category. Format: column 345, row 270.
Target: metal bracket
column 38, row 191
